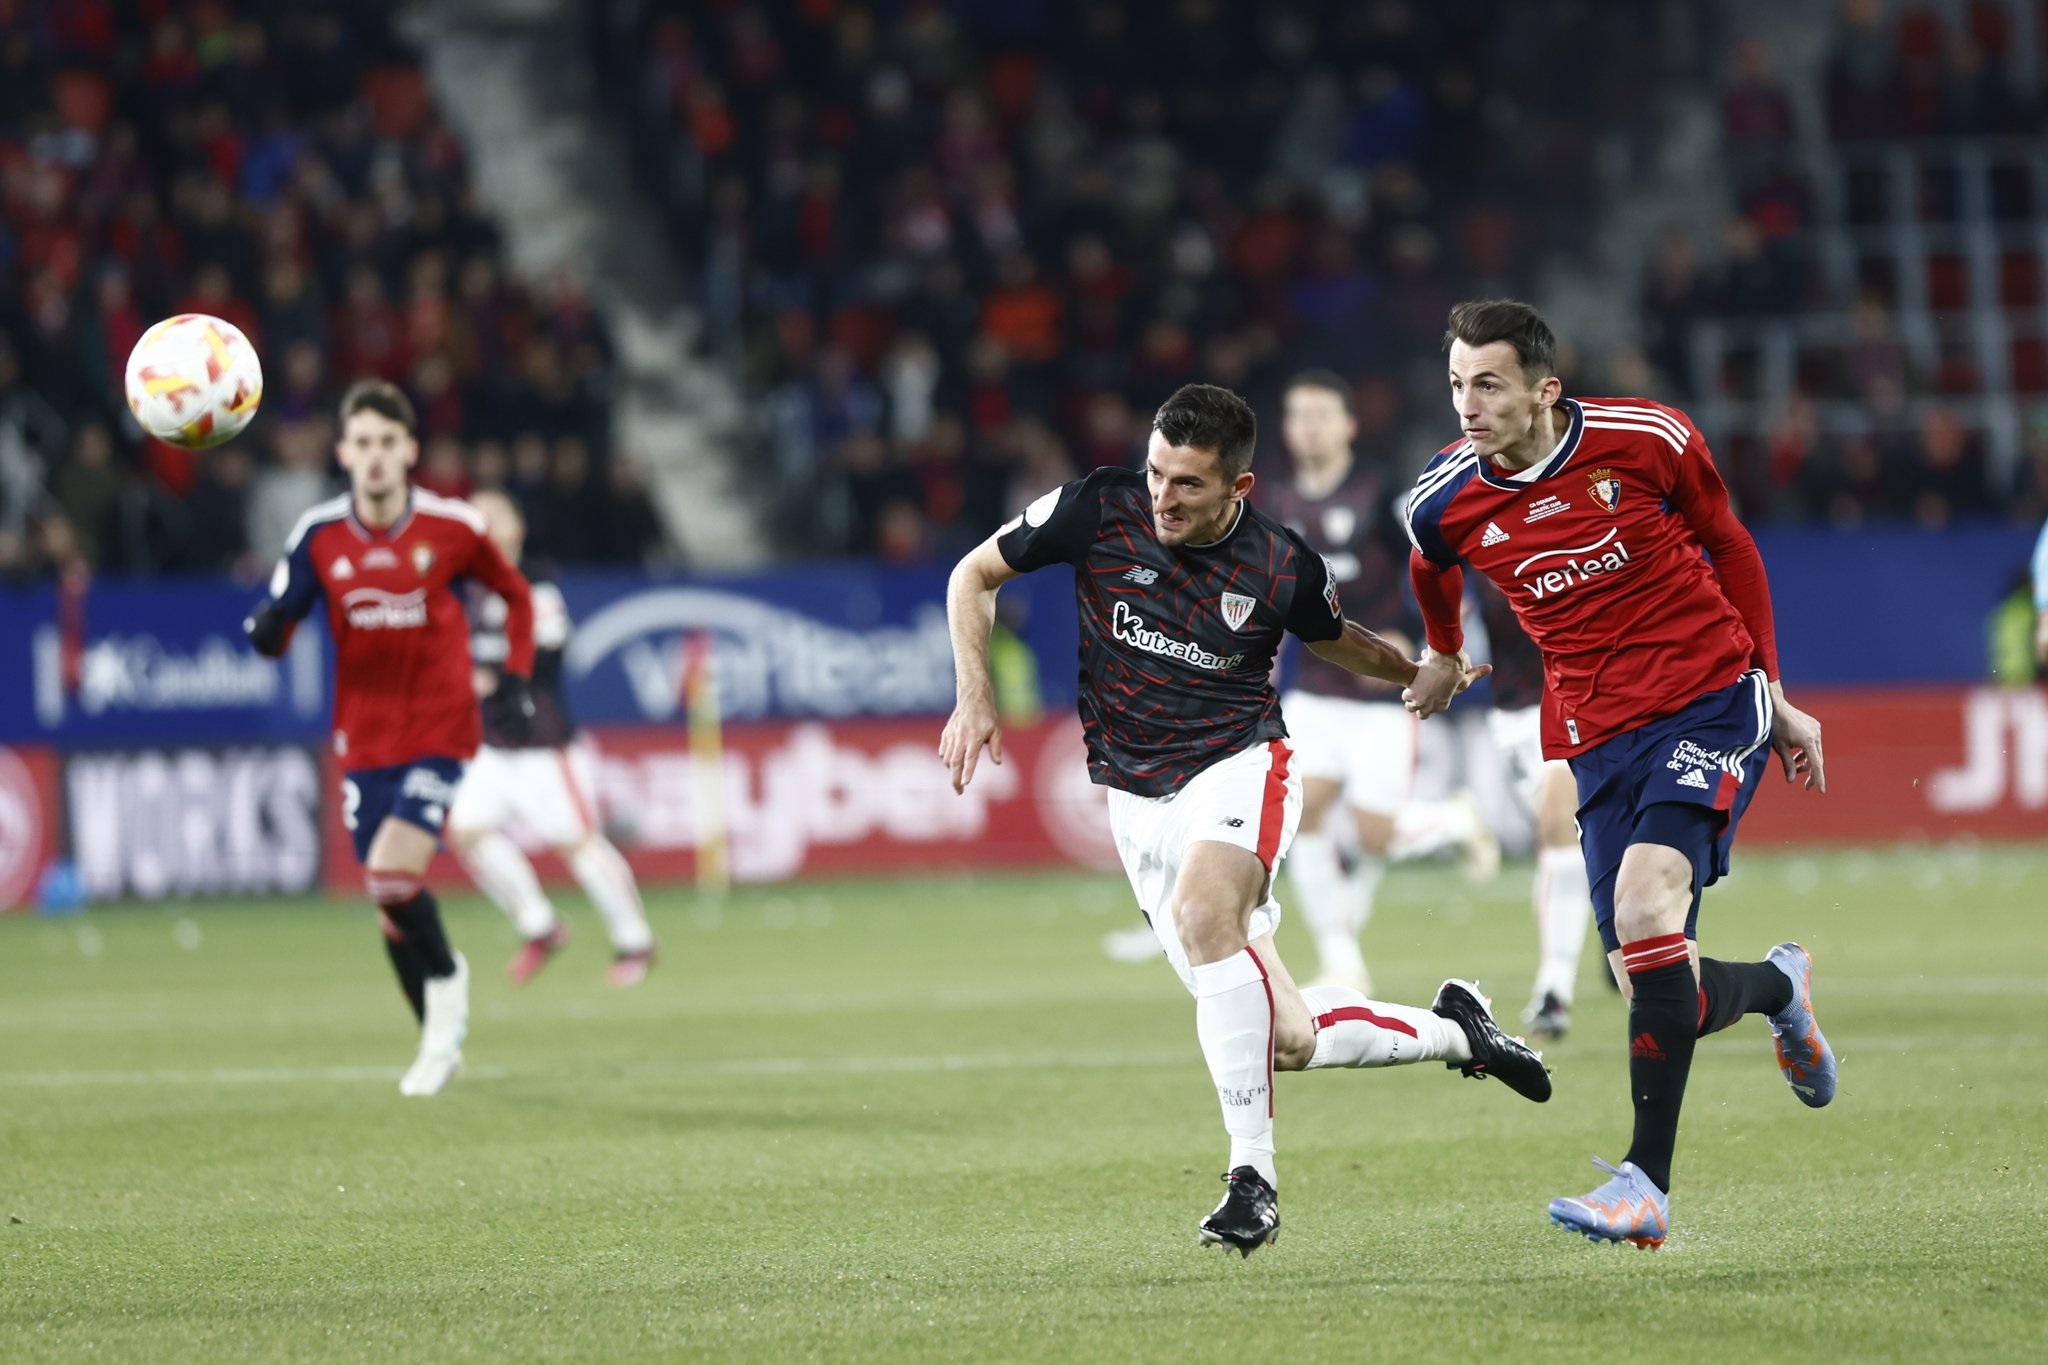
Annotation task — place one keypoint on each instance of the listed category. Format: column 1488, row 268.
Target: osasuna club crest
column 1606, row 489
column 1237, row 609
column 422, row 559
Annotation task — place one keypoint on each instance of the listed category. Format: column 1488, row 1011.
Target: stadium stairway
column 514, row 76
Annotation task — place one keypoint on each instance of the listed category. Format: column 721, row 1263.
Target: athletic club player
column 541, row 778
column 1605, row 524
column 1561, row 898
column 1354, row 741
column 1186, row 592
column 383, row 559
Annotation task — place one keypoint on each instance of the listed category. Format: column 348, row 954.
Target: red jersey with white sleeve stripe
column 402, row 687
column 1620, row 555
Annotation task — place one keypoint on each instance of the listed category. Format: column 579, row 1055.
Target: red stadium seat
column 2019, row 279
column 2029, row 361
column 1948, row 282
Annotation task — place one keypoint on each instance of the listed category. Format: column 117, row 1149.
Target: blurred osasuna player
column 540, row 777
column 384, row 559
column 1605, row 523
column 1186, row 592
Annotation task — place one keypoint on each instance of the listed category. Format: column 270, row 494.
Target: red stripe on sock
column 1702, row 1025
column 1271, row 1017
column 1273, row 814
column 1649, row 954
column 1344, row 1012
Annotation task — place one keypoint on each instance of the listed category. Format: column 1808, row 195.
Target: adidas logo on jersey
column 1494, row 536
column 1694, row 778
column 1142, row 576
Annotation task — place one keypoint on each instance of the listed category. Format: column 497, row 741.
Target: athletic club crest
column 1237, row 609
column 422, row 558
column 1606, row 489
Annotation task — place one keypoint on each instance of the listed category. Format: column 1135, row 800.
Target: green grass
column 929, row 1120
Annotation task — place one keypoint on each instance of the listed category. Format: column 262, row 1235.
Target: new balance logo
column 1234, row 823
column 1494, row 535
column 1694, row 778
column 1143, row 577
column 1645, row 1046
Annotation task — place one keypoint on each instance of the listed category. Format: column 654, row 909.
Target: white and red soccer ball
column 194, row 381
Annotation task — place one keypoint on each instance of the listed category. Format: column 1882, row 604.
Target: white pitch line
column 733, row 1066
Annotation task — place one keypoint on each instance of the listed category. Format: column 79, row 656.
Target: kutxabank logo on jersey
column 1130, row 628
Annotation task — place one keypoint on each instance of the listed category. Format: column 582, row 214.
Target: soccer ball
column 194, row 381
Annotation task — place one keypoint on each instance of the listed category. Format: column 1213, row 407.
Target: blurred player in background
column 1562, row 899
column 1354, row 740
column 541, row 779
column 1605, row 523
column 1186, row 593
column 384, row 558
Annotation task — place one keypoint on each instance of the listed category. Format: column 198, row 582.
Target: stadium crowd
column 286, row 169
column 965, row 249
column 1937, row 85
column 959, row 250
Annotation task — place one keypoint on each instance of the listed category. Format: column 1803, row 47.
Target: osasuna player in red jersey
column 383, row 559
column 541, row 778
column 1605, row 524
column 1186, row 592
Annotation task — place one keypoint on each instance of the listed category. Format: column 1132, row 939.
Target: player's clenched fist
column 971, row 728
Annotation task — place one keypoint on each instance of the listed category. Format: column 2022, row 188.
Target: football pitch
column 929, row 1120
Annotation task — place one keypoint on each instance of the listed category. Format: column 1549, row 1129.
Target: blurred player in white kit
column 545, row 784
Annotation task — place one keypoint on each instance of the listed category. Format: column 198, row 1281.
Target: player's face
column 1499, row 407
column 376, row 452
column 1315, row 425
column 1193, row 501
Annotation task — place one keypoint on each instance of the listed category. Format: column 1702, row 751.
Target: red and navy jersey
column 1357, row 528
column 1602, row 549
column 1177, row 642
column 402, row 688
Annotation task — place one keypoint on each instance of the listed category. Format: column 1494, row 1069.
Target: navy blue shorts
column 1683, row 781
column 418, row 793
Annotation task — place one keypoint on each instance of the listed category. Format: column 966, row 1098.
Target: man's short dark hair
column 1481, row 322
column 382, row 397
column 1328, row 380
column 1206, row 417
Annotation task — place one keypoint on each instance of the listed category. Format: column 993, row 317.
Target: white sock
column 607, row 879
column 1422, row 828
column 1354, row 1031
column 1564, row 905
column 1329, row 902
column 496, row 865
column 1234, row 1021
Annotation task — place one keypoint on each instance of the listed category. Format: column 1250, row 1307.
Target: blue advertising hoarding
column 165, row 662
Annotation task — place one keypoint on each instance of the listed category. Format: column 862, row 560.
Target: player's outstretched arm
column 970, row 617
column 1367, row 653
column 294, row 588
column 1444, row 671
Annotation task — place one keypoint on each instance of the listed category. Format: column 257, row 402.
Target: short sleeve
column 1056, row 529
column 1315, row 613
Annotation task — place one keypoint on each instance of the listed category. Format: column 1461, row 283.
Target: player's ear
column 1549, row 391
column 1241, row 486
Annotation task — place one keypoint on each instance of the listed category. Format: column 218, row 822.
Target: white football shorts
column 548, row 793
column 1251, row 799
column 1368, row 747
